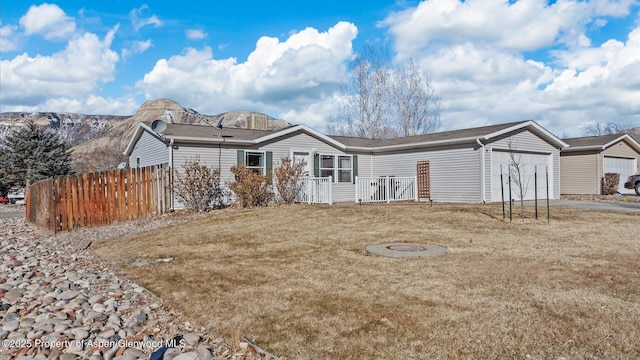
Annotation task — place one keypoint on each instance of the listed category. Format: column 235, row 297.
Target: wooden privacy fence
column 99, row 198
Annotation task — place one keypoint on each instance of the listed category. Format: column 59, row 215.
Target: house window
column 344, row 169
column 338, row 167
column 327, row 166
column 255, row 162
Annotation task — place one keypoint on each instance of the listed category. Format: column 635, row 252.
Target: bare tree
column 288, row 176
column 417, row 106
column 100, row 159
column 366, row 102
column 519, row 177
column 602, row 128
column 382, row 102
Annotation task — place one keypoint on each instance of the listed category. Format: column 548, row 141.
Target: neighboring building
column 586, row 160
column 464, row 165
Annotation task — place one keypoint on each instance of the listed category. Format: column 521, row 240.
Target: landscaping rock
column 60, row 301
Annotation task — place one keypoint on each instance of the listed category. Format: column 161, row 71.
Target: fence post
column 330, row 190
column 548, row 208
column 357, row 190
column 386, row 189
column 510, row 199
column 535, row 183
column 415, row 188
column 502, row 190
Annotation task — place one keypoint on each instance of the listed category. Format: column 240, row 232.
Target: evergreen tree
column 5, row 183
column 30, row 155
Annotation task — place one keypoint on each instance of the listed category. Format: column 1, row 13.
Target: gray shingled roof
column 592, row 141
column 208, row 132
column 441, row 136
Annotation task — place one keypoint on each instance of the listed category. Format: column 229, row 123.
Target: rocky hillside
column 72, row 128
column 99, row 140
column 171, row 112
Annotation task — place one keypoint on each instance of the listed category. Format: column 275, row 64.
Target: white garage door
column 623, row 166
column 532, row 163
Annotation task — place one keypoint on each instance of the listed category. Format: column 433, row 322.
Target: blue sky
column 565, row 64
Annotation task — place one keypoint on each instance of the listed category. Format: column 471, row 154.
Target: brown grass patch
column 296, row 281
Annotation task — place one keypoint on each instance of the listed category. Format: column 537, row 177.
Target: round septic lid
column 403, row 250
column 406, row 247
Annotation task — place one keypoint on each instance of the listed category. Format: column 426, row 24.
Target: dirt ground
column 296, row 281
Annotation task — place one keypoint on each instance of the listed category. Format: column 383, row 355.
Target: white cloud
column 92, row 105
column 136, row 47
column 523, row 25
column 48, row 20
column 481, row 85
column 8, row 41
column 615, row 8
column 293, row 74
column 195, row 34
column 141, row 46
column 474, row 52
column 138, row 22
column 314, row 115
column 607, row 76
column 72, row 74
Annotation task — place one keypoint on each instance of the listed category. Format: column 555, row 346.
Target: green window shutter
column 316, row 165
column 240, row 157
column 354, row 163
column 269, row 165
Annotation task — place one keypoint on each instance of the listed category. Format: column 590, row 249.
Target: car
column 17, row 197
column 4, row 200
column 633, row 182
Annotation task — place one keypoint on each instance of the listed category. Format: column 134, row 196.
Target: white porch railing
column 316, row 190
column 386, row 189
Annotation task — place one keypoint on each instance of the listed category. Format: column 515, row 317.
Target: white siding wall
column 454, row 171
column 282, row 146
column 302, row 142
column 556, row 174
column 488, row 178
column 226, row 157
column 151, row 150
column 209, row 155
column 526, row 141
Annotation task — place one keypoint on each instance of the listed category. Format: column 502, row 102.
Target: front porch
column 386, row 189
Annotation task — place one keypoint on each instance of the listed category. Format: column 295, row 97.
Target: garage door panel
column 623, row 166
column 533, row 167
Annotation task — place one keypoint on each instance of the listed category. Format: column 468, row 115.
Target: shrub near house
column 610, row 183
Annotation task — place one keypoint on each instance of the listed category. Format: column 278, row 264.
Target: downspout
column 171, row 174
column 482, row 166
column 371, row 164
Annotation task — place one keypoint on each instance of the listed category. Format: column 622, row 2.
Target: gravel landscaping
column 604, row 198
column 60, row 301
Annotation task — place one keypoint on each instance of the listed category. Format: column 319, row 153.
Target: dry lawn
column 297, row 281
